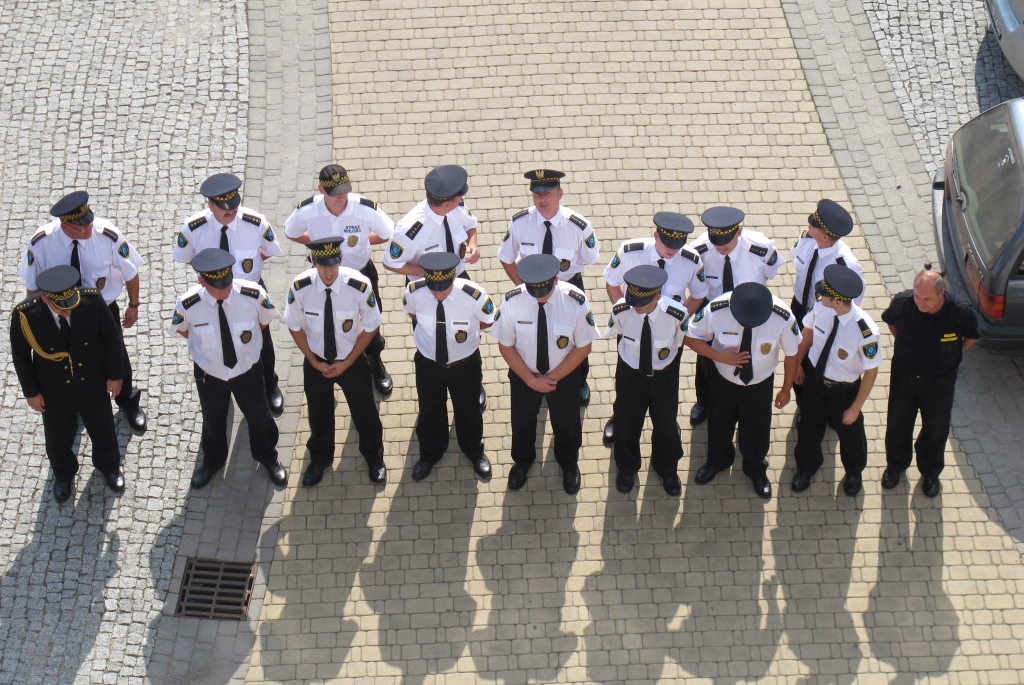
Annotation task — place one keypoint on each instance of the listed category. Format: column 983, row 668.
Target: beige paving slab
column 647, row 106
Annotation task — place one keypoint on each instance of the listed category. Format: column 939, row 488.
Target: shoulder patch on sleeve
column 759, row 250
column 512, row 293
column 110, row 234
column 250, row 292
column 471, row 291
column 630, row 247
column 308, row 201
column 677, row 313
column 189, row 301
column 196, row 223
column 578, row 296
column 37, row 237
column 361, row 286
column 721, row 304
column 621, row 307
column 700, row 249
column 781, row 311
column 414, row 229
column 578, row 220
column 870, row 350
column 520, row 215
column 302, row 283
column 690, row 255
column 367, row 203
column 252, row 219
column 865, row 329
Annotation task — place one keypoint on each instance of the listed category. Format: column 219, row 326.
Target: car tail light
column 991, row 305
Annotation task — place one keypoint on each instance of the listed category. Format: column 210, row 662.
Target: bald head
column 929, row 291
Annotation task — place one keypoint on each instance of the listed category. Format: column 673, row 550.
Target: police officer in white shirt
column 544, row 331
column 222, row 318
column 732, row 255
column 550, row 228
column 250, row 239
column 332, row 315
column 105, row 260
column 360, row 223
column 742, row 332
column 650, row 332
column 686, row 282
column 820, row 245
column 450, row 313
column 840, row 342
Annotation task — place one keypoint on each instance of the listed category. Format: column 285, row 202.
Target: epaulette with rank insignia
column 865, row 329
column 302, row 283
column 196, row 223
column 418, row 283
column 690, row 255
column 367, row 203
column 110, row 234
column 700, row 249
column 252, row 219
column 759, row 250
column 512, row 293
column 578, row 221
column 721, row 304
column 471, row 291
column 189, row 301
column 677, row 313
column 89, row 291
column 357, row 284
column 520, row 215
column 781, row 311
column 308, row 201
column 37, row 237
column 250, row 292
column 28, row 302
column 621, row 307
column 630, row 247
column 414, row 229
column 578, row 296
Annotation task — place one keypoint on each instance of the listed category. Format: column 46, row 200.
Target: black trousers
column 824, row 405
column 128, row 397
column 434, row 384
column 933, row 397
column 577, row 281
column 566, row 425
column 60, row 423
column 356, row 385
column 635, row 395
column 250, row 395
column 376, row 345
column 750, row 406
column 798, row 390
column 267, row 357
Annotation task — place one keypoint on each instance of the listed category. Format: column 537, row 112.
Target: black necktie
column 746, row 372
column 646, row 353
column 224, row 238
column 548, row 240
column 809, row 278
column 226, row 343
column 661, row 263
column 449, row 245
column 819, row 367
column 543, row 365
column 65, row 329
column 330, row 344
column 75, row 262
column 441, row 335
column 727, row 284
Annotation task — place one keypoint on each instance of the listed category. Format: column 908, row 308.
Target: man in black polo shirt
column 932, row 330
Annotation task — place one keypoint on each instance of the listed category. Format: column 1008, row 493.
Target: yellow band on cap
column 833, row 294
column 637, row 292
column 326, row 251
column 216, row 275
column 439, row 276
column 821, row 224
column 335, row 180
column 669, row 233
column 226, row 197
column 77, row 214
column 723, row 231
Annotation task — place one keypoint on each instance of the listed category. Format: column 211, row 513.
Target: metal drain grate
column 216, row 589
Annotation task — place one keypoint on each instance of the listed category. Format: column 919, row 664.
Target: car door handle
column 961, row 200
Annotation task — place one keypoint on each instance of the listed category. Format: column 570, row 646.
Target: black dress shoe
column 115, row 481
column 314, row 474
column 763, row 488
column 706, row 474
column 698, row 415
column 571, row 481
column 673, row 486
column 624, row 482
column 482, row 466
column 382, row 382
column 584, row 395
column 930, row 486
column 61, row 491
column 136, row 418
column 516, row 478
column 483, row 399
column 202, row 477
column 852, row 485
column 378, row 474
column 421, row 469
column 278, row 473
column 801, row 481
column 890, row 478
column 276, row 401
column 609, row 433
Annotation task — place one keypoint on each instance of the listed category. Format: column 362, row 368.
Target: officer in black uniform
column 932, row 330
column 650, row 332
column 67, row 352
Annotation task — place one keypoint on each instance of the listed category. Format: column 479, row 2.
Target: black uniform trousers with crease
column 933, row 397
column 564, row 411
column 635, row 395
column 376, row 345
column 267, row 357
column 461, row 381
column 749, row 406
column 250, row 395
column 824, row 405
column 356, row 385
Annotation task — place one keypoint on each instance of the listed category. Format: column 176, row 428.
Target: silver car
column 1007, row 17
